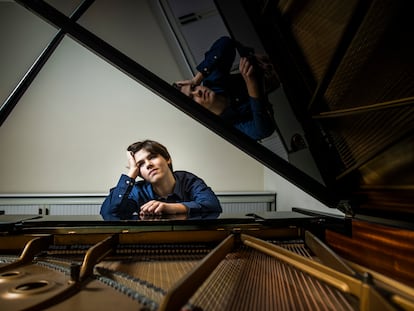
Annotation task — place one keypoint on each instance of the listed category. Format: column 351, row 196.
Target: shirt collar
column 174, row 196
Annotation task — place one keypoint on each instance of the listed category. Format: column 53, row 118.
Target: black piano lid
column 348, row 72
column 45, row 223
column 351, row 88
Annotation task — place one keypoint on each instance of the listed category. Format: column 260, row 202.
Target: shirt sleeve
column 219, row 59
column 200, row 197
column 261, row 123
column 117, row 205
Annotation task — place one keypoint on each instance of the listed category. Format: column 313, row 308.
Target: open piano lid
column 347, row 71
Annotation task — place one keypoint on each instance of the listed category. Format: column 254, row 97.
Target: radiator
column 232, row 202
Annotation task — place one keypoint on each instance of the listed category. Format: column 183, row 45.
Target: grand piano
column 347, row 70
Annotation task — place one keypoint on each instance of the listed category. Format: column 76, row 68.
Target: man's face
column 152, row 167
column 200, row 94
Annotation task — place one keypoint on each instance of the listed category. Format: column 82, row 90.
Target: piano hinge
column 345, row 207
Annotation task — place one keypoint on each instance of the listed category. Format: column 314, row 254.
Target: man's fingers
column 150, row 207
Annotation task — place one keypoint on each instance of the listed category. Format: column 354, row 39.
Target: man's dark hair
column 152, row 147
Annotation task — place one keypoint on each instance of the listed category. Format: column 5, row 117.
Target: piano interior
column 347, row 70
column 275, row 264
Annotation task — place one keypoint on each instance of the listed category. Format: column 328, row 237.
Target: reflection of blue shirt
column 252, row 116
column 126, row 198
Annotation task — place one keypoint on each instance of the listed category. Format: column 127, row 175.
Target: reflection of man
column 238, row 100
column 155, row 217
column 162, row 190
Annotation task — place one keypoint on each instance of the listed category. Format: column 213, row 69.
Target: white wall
column 69, row 132
column 20, row 44
column 289, row 196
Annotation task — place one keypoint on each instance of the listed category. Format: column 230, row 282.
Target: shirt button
column 215, row 57
column 119, row 195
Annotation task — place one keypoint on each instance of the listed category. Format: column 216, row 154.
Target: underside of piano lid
column 347, row 70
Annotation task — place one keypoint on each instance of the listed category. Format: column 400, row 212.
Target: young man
column 162, row 190
column 237, row 99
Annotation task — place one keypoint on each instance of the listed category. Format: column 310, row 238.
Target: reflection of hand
column 184, row 82
column 158, row 217
column 179, row 217
column 149, row 217
column 186, row 89
column 185, row 86
column 132, row 165
column 247, row 71
column 246, row 68
column 196, row 80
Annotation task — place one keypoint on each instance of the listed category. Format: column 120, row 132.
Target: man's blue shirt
column 251, row 116
column 128, row 196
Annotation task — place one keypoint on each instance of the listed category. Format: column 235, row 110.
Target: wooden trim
column 384, row 249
